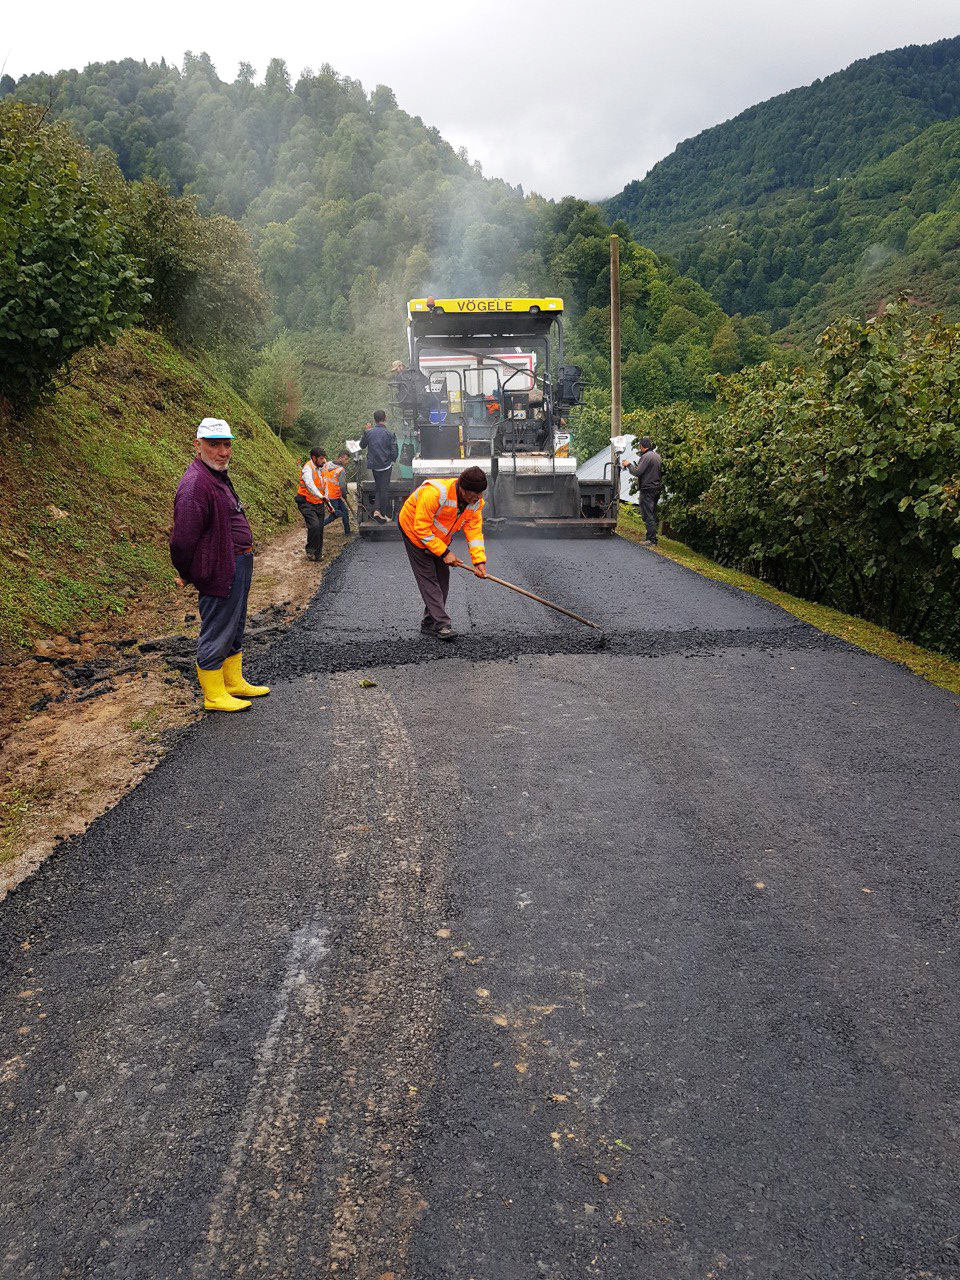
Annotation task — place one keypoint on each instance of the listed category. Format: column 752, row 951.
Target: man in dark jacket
column 211, row 547
column 382, row 451
column 646, row 471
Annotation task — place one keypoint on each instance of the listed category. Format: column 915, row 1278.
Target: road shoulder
column 87, row 717
column 936, row 668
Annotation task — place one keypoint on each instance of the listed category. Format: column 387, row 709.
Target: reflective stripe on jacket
column 430, row 518
column 316, row 478
column 334, row 478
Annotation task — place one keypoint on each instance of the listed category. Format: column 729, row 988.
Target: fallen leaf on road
column 602, row 1177
column 521, row 1067
column 500, row 1021
column 482, row 992
column 368, row 684
column 443, row 933
column 559, row 1097
column 759, row 885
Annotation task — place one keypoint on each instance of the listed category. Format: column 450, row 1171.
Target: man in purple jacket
column 212, row 549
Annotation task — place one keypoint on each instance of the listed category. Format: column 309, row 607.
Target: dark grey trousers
column 312, row 513
column 381, row 480
column 222, row 619
column 648, row 509
column 433, row 580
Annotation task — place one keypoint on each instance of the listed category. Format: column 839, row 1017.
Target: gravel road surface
column 546, row 955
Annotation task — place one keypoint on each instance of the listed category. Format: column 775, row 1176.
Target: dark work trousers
column 312, row 513
column 433, row 579
column 381, row 481
column 222, row 619
column 648, row 509
column 340, row 512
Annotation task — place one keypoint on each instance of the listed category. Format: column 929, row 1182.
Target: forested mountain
column 353, row 206
column 822, row 199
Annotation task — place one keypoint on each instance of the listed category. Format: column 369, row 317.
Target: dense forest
column 353, row 206
column 825, row 199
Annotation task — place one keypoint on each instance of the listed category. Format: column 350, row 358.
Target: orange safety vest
column 430, row 517
column 317, row 477
column 332, row 475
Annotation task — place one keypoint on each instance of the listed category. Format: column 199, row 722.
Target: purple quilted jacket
column 201, row 545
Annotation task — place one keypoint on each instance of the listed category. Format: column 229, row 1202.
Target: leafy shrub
column 66, row 279
column 840, row 483
column 206, row 289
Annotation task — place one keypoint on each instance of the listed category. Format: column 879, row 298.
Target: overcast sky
column 561, row 97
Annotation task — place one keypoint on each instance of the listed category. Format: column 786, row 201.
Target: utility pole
column 615, row 407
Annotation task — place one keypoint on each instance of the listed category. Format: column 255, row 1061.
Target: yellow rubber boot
column 215, row 696
column 234, row 682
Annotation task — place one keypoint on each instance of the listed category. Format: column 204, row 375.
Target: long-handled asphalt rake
column 567, row 613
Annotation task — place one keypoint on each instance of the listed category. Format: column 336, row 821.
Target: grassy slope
column 934, row 667
column 109, row 450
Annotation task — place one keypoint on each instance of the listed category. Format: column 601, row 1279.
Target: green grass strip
column 934, row 667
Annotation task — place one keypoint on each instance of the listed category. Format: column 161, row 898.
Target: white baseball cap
column 214, row 429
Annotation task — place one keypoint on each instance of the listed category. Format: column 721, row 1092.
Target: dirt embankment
column 86, row 715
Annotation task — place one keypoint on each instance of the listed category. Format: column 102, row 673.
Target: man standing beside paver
column 381, row 446
column 310, row 500
column 428, row 520
column 211, row 547
column 646, row 471
column 335, row 490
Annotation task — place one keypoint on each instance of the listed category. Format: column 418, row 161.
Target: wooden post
column 615, row 406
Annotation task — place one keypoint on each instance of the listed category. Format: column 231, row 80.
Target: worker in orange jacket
column 335, row 490
column 311, row 500
column 428, row 520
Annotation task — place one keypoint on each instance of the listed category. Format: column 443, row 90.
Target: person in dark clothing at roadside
column 211, row 547
column 381, row 446
column 646, row 471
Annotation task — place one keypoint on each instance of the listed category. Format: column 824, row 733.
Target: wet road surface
column 544, row 956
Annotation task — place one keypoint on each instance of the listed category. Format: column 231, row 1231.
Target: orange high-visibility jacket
column 316, row 475
column 334, row 478
column 430, row 518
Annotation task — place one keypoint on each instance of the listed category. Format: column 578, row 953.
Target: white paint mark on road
column 308, row 950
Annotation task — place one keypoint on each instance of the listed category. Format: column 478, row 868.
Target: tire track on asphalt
column 320, row 1178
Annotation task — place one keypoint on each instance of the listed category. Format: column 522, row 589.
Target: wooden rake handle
column 567, row 613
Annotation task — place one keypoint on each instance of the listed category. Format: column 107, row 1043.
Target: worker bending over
column 428, row 520
column 335, row 490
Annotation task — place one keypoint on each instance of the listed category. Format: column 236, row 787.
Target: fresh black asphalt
column 536, row 955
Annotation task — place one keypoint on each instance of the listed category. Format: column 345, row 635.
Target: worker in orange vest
column 335, row 490
column 310, row 500
column 428, row 520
